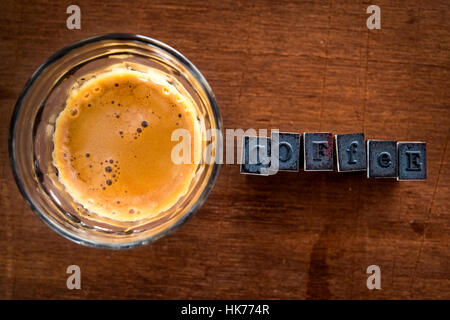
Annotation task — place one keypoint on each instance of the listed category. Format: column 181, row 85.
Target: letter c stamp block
column 256, row 154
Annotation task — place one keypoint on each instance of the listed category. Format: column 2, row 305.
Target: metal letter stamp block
column 288, row 150
column 382, row 159
column 351, row 152
column 318, row 151
column 256, row 155
column 412, row 160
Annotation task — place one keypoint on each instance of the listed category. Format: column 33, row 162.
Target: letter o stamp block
column 412, row 161
column 382, row 159
column 288, row 150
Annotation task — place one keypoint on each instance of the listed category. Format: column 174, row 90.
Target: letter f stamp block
column 351, row 152
column 318, row 151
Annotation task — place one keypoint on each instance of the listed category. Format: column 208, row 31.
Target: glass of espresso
column 92, row 141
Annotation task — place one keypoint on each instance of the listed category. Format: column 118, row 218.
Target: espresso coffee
column 112, row 144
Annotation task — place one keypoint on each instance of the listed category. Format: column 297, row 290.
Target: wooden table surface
column 293, row 65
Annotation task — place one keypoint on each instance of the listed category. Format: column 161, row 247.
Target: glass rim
column 59, row 55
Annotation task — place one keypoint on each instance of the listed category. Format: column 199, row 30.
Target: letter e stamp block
column 412, row 161
column 382, row 159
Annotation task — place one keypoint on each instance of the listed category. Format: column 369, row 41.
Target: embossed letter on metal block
column 412, row 161
column 288, row 150
column 255, row 154
column 318, row 151
column 382, row 159
column 351, row 152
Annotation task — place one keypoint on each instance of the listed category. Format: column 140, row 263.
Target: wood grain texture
column 293, row 65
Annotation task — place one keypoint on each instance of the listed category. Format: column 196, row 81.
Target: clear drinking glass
column 33, row 125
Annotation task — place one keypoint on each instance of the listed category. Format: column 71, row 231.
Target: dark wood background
column 297, row 66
